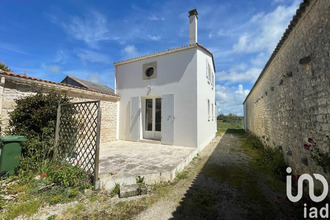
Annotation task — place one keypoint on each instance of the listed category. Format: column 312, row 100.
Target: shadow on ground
column 227, row 188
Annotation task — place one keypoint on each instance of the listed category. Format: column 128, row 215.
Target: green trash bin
column 10, row 149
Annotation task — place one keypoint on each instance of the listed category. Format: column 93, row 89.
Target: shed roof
column 90, row 84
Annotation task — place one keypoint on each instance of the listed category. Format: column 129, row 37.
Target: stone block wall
column 290, row 101
column 11, row 90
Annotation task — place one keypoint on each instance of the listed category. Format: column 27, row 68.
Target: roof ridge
column 168, row 50
column 155, row 53
column 55, row 83
column 79, row 80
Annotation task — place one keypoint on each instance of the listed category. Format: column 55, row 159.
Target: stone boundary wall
column 290, row 101
column 12, row 89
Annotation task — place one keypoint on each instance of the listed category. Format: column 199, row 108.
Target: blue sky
column 52, row 39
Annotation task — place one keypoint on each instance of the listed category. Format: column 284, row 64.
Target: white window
column 208, row 109
column 212, row 112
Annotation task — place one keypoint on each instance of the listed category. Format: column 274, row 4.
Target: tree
column 4, row 67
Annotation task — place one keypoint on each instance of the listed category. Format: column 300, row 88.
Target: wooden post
column 57, row 130
column 97, row 150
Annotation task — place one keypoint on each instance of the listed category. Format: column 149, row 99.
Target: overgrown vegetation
column 320, row 157
column 67, row 175
column 42, row 178
column 35, row 118
column 267, row 159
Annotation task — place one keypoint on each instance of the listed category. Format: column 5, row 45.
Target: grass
column 182, row 175
column 25, row 208
column 224, row 126
column 30, row 197
column 265, row 159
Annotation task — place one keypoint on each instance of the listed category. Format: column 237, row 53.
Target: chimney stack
column 193, row 26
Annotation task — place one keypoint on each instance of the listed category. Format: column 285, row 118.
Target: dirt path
column 222, row 185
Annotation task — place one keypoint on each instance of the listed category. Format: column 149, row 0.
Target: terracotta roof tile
column 55, row 83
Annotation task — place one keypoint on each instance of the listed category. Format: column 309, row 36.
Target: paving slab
column 122, row 161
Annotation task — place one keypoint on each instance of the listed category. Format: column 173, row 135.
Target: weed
column 267, row 159
column 115, row 190
column 140, row 183
column 76, row 209
column 253, row 141
column 67, row 175
column 52, row 217
column 56, row 199
column 74, row 192
column 139, row 180
column 182, row 175
column 94, row 197
column 2, row 201
column 25, row 208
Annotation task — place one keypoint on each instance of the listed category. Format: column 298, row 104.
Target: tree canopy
column 4, row 67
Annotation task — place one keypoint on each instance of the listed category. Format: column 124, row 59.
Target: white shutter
column 168, row 119
column 135, row 118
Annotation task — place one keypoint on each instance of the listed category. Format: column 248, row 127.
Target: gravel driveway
column 222, row 185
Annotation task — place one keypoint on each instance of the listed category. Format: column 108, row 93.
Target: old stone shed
column 15, row 86
column 290, row 101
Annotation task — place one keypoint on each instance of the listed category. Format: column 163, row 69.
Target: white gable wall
column 207, row 127
column 176, row 74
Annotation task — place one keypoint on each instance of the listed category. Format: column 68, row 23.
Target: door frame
column 153, row 134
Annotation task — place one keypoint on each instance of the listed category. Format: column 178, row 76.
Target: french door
column 152, row 126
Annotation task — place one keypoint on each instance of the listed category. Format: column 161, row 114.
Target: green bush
column 35, row 118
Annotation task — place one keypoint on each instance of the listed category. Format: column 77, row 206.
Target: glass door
column 152, row 118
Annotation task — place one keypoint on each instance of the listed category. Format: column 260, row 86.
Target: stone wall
column 10, row 90
column 290, row 101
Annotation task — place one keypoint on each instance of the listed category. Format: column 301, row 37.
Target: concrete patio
column 122, row 161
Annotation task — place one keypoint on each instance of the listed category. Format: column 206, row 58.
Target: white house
column 168, row 96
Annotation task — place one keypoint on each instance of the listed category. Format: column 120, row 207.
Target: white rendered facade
column 168, row 96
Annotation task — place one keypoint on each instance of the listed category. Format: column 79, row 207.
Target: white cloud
column 61, row 57
column 154, row 37
column 49, row 68
column 265, row 30
column 155, row 18
column 92, row 56
column 54, row 68
column 92, row 28
column 234, row 76
column 130, row 51
column 260, row 59
column 230, row 99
